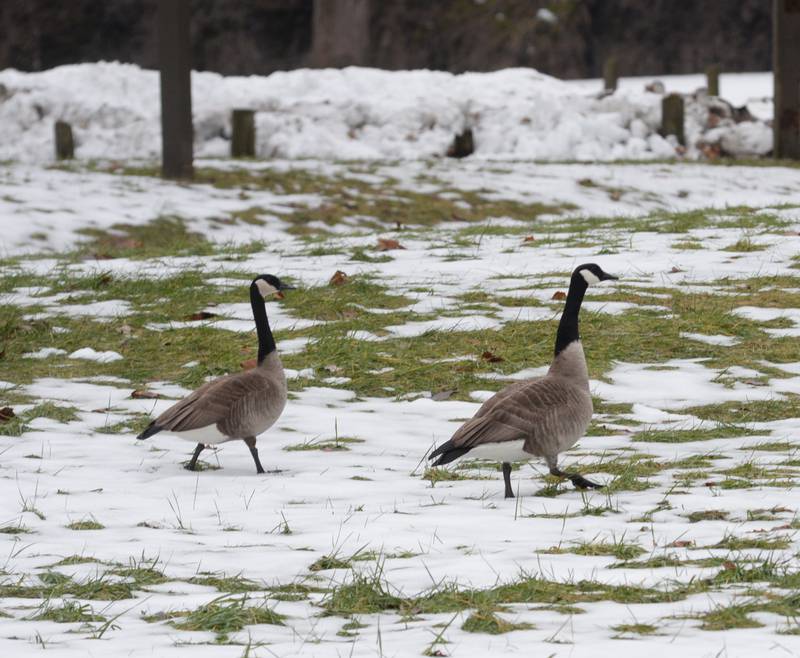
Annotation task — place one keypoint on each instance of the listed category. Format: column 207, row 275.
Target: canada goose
column 539, row 417
column 237, row 406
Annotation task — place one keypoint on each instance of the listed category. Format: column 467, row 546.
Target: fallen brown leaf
column 201, row 315
column 339, row 278
column 560, row 295
column 729, row 566
column 144, row 393
column 491, row 357
column 387, row 244
column 682, row 543
column 528, row 238
column 6, row 414
column 675, row 270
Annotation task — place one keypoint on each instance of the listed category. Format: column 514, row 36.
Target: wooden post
column 65, row 145
column 243, row 134
column 786, row 73
column 712, row 80
column 672, row 117
column 174, row 62
column 610, row 74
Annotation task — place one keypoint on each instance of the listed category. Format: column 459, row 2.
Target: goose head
column 269, row 286
column 592, row 273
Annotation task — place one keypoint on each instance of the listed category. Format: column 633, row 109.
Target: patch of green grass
column 733, row 543
column 140, row 575
column 689, row 435
column 724, row 618
column 56, row 585
column 14, row 530
column 294, row 592
column 67, row 613
column 86, row 524
column 439, row 474
column 486, row 621
column 362, row 594
column 636, row 629
column 164, row 236
column 708, row 515
column 330, row 562
column 74, row 559
column 749, row 412
column 619, row 549
column 350, row 628
column 772, row 446
column 231, row 584
column 744, row 244
column 224, row 615
column 19, row 424
column 334, row 445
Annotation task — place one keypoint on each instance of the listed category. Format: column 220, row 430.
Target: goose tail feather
column 447, row 452
column 151, row 429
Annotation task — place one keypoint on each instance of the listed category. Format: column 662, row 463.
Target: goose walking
column 539, row 417
column 238, row 406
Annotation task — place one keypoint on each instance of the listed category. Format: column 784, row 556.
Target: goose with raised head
column 540, row 417
column 241, row 405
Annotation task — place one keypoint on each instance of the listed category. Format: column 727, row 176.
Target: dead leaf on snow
column 559, row 295
column 201, row 315
column 339, row 278
column 387, row 244
column 145, row 394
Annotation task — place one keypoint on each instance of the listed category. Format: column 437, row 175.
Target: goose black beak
column 608, row 277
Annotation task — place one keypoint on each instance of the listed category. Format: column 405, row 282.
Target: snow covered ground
column 358, row 113
column 111, row 547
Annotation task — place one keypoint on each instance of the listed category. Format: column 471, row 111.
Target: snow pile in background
column 357, row 113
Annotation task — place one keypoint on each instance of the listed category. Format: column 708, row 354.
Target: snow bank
column 352, row 113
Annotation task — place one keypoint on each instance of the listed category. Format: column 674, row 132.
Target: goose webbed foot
column 192, row 465
column 251, row 443
column 507, row 479
column 577, row 479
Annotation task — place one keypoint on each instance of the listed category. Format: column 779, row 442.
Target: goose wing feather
column 215, row 402
column 535, row 411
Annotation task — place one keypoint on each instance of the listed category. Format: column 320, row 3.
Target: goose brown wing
column 208, row 405
column 521, row 411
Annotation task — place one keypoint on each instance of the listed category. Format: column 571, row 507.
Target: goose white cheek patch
column 589, row 277
column 265, row 289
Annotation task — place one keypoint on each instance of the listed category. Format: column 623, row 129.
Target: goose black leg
column 507, row 479
column 251, row 443
column 578, row 480
column 192, row 465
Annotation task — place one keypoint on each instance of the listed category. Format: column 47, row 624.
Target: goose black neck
column 266, row 342
column 568, row 326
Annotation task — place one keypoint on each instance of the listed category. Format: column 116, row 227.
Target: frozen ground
column 359, row 113
column 349, row 543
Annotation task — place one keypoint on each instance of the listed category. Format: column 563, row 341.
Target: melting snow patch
column 713, row 339
column 90, row 354
column 685, row 383
column 44, row 353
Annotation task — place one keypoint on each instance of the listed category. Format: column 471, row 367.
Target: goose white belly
column 502, row 451
column 208, row 435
